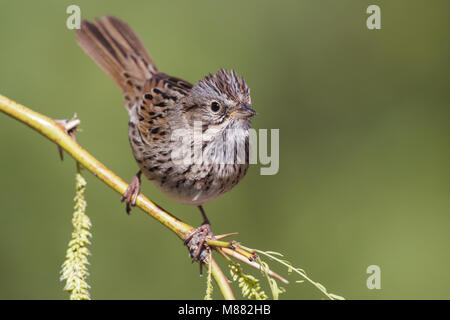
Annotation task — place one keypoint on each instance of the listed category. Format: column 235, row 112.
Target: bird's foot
column 195, row 240
column 132, row 192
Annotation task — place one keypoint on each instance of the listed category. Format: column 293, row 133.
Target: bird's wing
column 159, row 97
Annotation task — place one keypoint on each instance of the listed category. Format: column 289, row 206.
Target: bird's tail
column 116, row 48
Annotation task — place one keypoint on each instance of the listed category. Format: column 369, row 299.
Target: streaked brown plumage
column 160, row 106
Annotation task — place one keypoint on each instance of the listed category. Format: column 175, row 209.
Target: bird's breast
column 196, row 179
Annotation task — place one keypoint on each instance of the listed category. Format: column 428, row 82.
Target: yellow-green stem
column 51, row 130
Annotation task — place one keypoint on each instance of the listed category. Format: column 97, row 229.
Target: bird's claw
column 195, row 240
column 132, row 192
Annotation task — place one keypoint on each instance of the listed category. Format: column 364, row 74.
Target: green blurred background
column 364, row 146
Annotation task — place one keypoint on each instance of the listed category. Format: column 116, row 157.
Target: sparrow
column 169, row 118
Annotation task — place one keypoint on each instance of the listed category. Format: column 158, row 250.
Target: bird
column 217, row 108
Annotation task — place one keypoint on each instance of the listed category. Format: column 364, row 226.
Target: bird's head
column 222, row 99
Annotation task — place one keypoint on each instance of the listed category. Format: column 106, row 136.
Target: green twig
column 54, row 132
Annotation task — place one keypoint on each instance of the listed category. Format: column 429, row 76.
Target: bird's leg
column 132, row 192
column 205, row 218
column 196, row 239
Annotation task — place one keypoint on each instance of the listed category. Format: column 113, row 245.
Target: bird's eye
column 215, row 106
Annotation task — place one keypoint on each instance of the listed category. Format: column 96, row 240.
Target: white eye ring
column 215, row 106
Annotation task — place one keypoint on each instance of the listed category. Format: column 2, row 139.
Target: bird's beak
column 244, row 112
